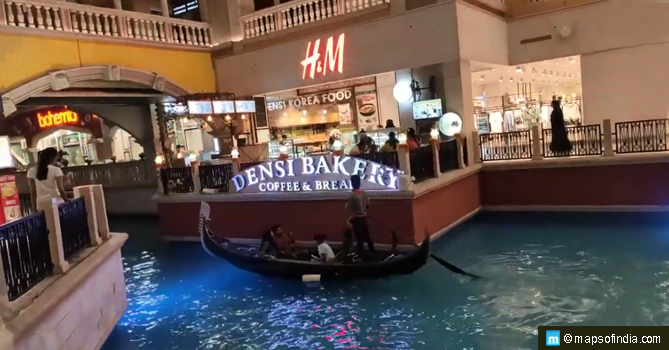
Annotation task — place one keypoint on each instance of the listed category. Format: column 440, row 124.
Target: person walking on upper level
column 560, row 143
column 46, row 180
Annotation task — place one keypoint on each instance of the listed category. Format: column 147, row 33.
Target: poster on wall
column 367, row 107
column 10, row 198
column 6, row 159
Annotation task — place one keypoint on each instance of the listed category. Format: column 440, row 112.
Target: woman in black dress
column 560, row 143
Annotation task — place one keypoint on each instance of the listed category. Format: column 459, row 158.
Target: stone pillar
column 204, row 10
column 118, row 5
column 403, row 159
column 224, row 18
column 91, row 213
column 165, row 8
column 60, row 265
column 105, row 149
column 459, row 98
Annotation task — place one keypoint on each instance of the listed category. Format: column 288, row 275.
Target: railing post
column 3, row 17
column 403, row 159
column 476, row 147
column 536, row 143
column 195, row 173
column 101, row 212
column 435, row 157
column 60, row 265
column 66, row 20
column 607, row 139
column 460, row 154
column 341, row 4
column 91, row 213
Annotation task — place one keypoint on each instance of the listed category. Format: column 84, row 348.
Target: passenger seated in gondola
column 325, row 253
column 347, row 251
column 276, row 243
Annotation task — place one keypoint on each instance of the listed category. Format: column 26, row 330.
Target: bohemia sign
column 317, row 64
column 316, row 173
column 49, row 118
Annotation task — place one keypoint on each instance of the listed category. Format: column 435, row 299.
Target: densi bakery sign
column 316, row 173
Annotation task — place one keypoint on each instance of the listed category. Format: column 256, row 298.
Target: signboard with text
column 315, row 173
column 321, row 60
column 31, row 124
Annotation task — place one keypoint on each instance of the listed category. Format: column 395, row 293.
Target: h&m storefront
column 344, row 80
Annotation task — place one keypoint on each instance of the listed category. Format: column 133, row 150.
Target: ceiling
column 560, row 71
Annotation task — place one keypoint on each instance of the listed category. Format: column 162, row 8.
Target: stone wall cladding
column 85, row 318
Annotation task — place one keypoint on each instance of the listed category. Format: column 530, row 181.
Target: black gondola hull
column 293, row 269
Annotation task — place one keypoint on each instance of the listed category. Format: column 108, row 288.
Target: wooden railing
column 115, row 175
column 61, row 16
column 299, row 12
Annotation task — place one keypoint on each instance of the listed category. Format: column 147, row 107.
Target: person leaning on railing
column 46, row 181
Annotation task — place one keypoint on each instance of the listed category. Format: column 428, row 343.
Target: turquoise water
column 540, row 269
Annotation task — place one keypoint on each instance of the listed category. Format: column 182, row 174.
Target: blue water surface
column 539, row 268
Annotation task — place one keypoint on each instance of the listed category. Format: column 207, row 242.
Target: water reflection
column 180, row 298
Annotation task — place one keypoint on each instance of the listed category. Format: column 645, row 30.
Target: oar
column 441, row 261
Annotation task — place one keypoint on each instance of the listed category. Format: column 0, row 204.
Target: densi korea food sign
column 315, row 173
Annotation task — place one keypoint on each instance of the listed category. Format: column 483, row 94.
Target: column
column 224, row 19
column 104, row 149
column 118, row 5
column 165, row 8
column 60, row 265
column 459, row 99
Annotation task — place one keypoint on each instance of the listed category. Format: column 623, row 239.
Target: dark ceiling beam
column 87, row 101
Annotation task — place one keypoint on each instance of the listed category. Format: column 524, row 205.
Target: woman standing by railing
column 46, row 180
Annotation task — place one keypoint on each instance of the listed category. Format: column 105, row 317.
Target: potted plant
column 113, row 159
column 142, row 156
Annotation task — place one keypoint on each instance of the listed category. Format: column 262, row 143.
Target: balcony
column 521, row 8
column 59, row 18
column 302, row 12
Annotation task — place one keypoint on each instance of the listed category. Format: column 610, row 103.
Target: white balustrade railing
column 299, row 12
column 52, row 15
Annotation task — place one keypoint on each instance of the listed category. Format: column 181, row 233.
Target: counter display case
column 274, row 145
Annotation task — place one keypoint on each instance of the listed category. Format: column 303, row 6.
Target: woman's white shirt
column 46, row 189
column 324, row 249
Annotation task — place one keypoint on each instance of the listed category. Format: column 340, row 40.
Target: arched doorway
column 77, row 77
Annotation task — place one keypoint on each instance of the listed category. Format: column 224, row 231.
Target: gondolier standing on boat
column 357, row 205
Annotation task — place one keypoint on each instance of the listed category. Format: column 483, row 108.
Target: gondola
column 244, row 257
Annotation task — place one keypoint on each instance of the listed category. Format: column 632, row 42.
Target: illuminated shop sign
column 315, row 173
column 324, row 98
column 316, row 63
column 48, row 119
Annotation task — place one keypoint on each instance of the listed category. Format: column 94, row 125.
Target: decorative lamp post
column 402, row 138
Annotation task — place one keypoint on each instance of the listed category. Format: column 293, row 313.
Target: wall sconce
column 234, row 153
column 159, row 160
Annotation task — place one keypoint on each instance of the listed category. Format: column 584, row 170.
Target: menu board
column 10, row 198
column 245, row 106
column 427, row 109
column 367, row 107
column 200, row 107
column 224, row 107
